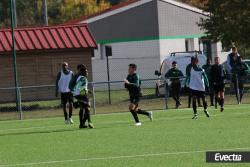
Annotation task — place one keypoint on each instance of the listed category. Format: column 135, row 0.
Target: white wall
column 143, row 53
column 176, row 45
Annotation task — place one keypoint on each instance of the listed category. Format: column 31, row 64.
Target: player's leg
column 132, row 108
column 241, row 90
column 211, row 94
column 222, row 96
column 64, row 105
column 216, row 91
column 70, row 100
column 194, row 105
column 81, row 116
column 189, row 97
column 138, row 110
column 204, row 101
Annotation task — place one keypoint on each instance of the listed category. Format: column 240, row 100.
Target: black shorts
column 197, row 93
column 66, row 97
column 135, row 100
column 83, row 100
column 219, row 88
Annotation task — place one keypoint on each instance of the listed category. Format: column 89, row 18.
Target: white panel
column 145, row 54
column 171, row 45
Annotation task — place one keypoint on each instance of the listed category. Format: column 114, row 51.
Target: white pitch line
column 121, row 157
column 117, row 122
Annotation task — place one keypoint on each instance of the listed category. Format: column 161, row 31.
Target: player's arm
column 57, row 80
column 180, row 74
column 72, row 82
column 205, row 78
column 168, row 74
column 136, row 84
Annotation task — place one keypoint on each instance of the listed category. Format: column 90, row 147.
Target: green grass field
column 173, row 139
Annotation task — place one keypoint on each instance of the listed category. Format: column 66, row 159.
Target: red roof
column 48, row 38
column 75, row 21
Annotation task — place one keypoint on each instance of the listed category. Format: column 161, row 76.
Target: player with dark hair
column 207, row 67
column 218, row 79
column 174, row 74
column 62, row 85
column 188, row 70
column 197, row 81
column 132, row 83
column 239, row 71
column 80, row 92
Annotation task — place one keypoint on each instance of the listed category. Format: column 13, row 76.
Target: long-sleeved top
column 218, row 74
column 241, row 70
column 174, row 74
column 231, row 60
column 134, row 84
column 207, row 68
column 197, row 79
column 79, row 85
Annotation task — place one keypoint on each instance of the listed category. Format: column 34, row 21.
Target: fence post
column 166, row 93
column 20, row 104
column 93, row 95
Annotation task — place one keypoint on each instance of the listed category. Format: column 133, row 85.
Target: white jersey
column 63, row 83
column 197, row 80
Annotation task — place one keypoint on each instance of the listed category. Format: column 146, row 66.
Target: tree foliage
column 30, row 12
column 229, row 22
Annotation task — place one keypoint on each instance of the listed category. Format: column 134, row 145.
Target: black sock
column 241, row 95
column 189, row 100
column 134, row 114
column 65, row 115
column 216, row 101
column 81, row 117
column 194, row 107
column 222, row 102
column 70, row 112
column 86, row 116
column 205, row 104
column 139, row 111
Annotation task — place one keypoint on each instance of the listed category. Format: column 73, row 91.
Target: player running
column 132, row 83
column 80, row 92
column 218, row 79
column 197, row 81
column 62, row 85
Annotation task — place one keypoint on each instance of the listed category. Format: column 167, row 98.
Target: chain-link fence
column 106, row 97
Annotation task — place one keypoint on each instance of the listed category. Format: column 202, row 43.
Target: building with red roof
column 145, row 32
column 40, row 53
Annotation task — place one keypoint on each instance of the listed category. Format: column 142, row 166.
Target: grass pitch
column 173, row 139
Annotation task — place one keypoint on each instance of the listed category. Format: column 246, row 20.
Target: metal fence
column 106, row 97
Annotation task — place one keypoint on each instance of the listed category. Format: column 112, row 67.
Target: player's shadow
column 38, row 132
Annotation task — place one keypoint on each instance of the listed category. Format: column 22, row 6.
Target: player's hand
column 126, row 81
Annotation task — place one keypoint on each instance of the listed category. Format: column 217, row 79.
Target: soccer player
column 232, row 58
column 218, row 79
column 207, row 67
column 188, row 70
column 197, row 81
column 62, row 85
column 132, row 83
column 239, row 71
column 80, row 92
column 174, row 74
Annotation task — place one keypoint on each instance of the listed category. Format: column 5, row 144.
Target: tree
column 229, row 22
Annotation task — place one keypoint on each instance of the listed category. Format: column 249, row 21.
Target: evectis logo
column 227, row 158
